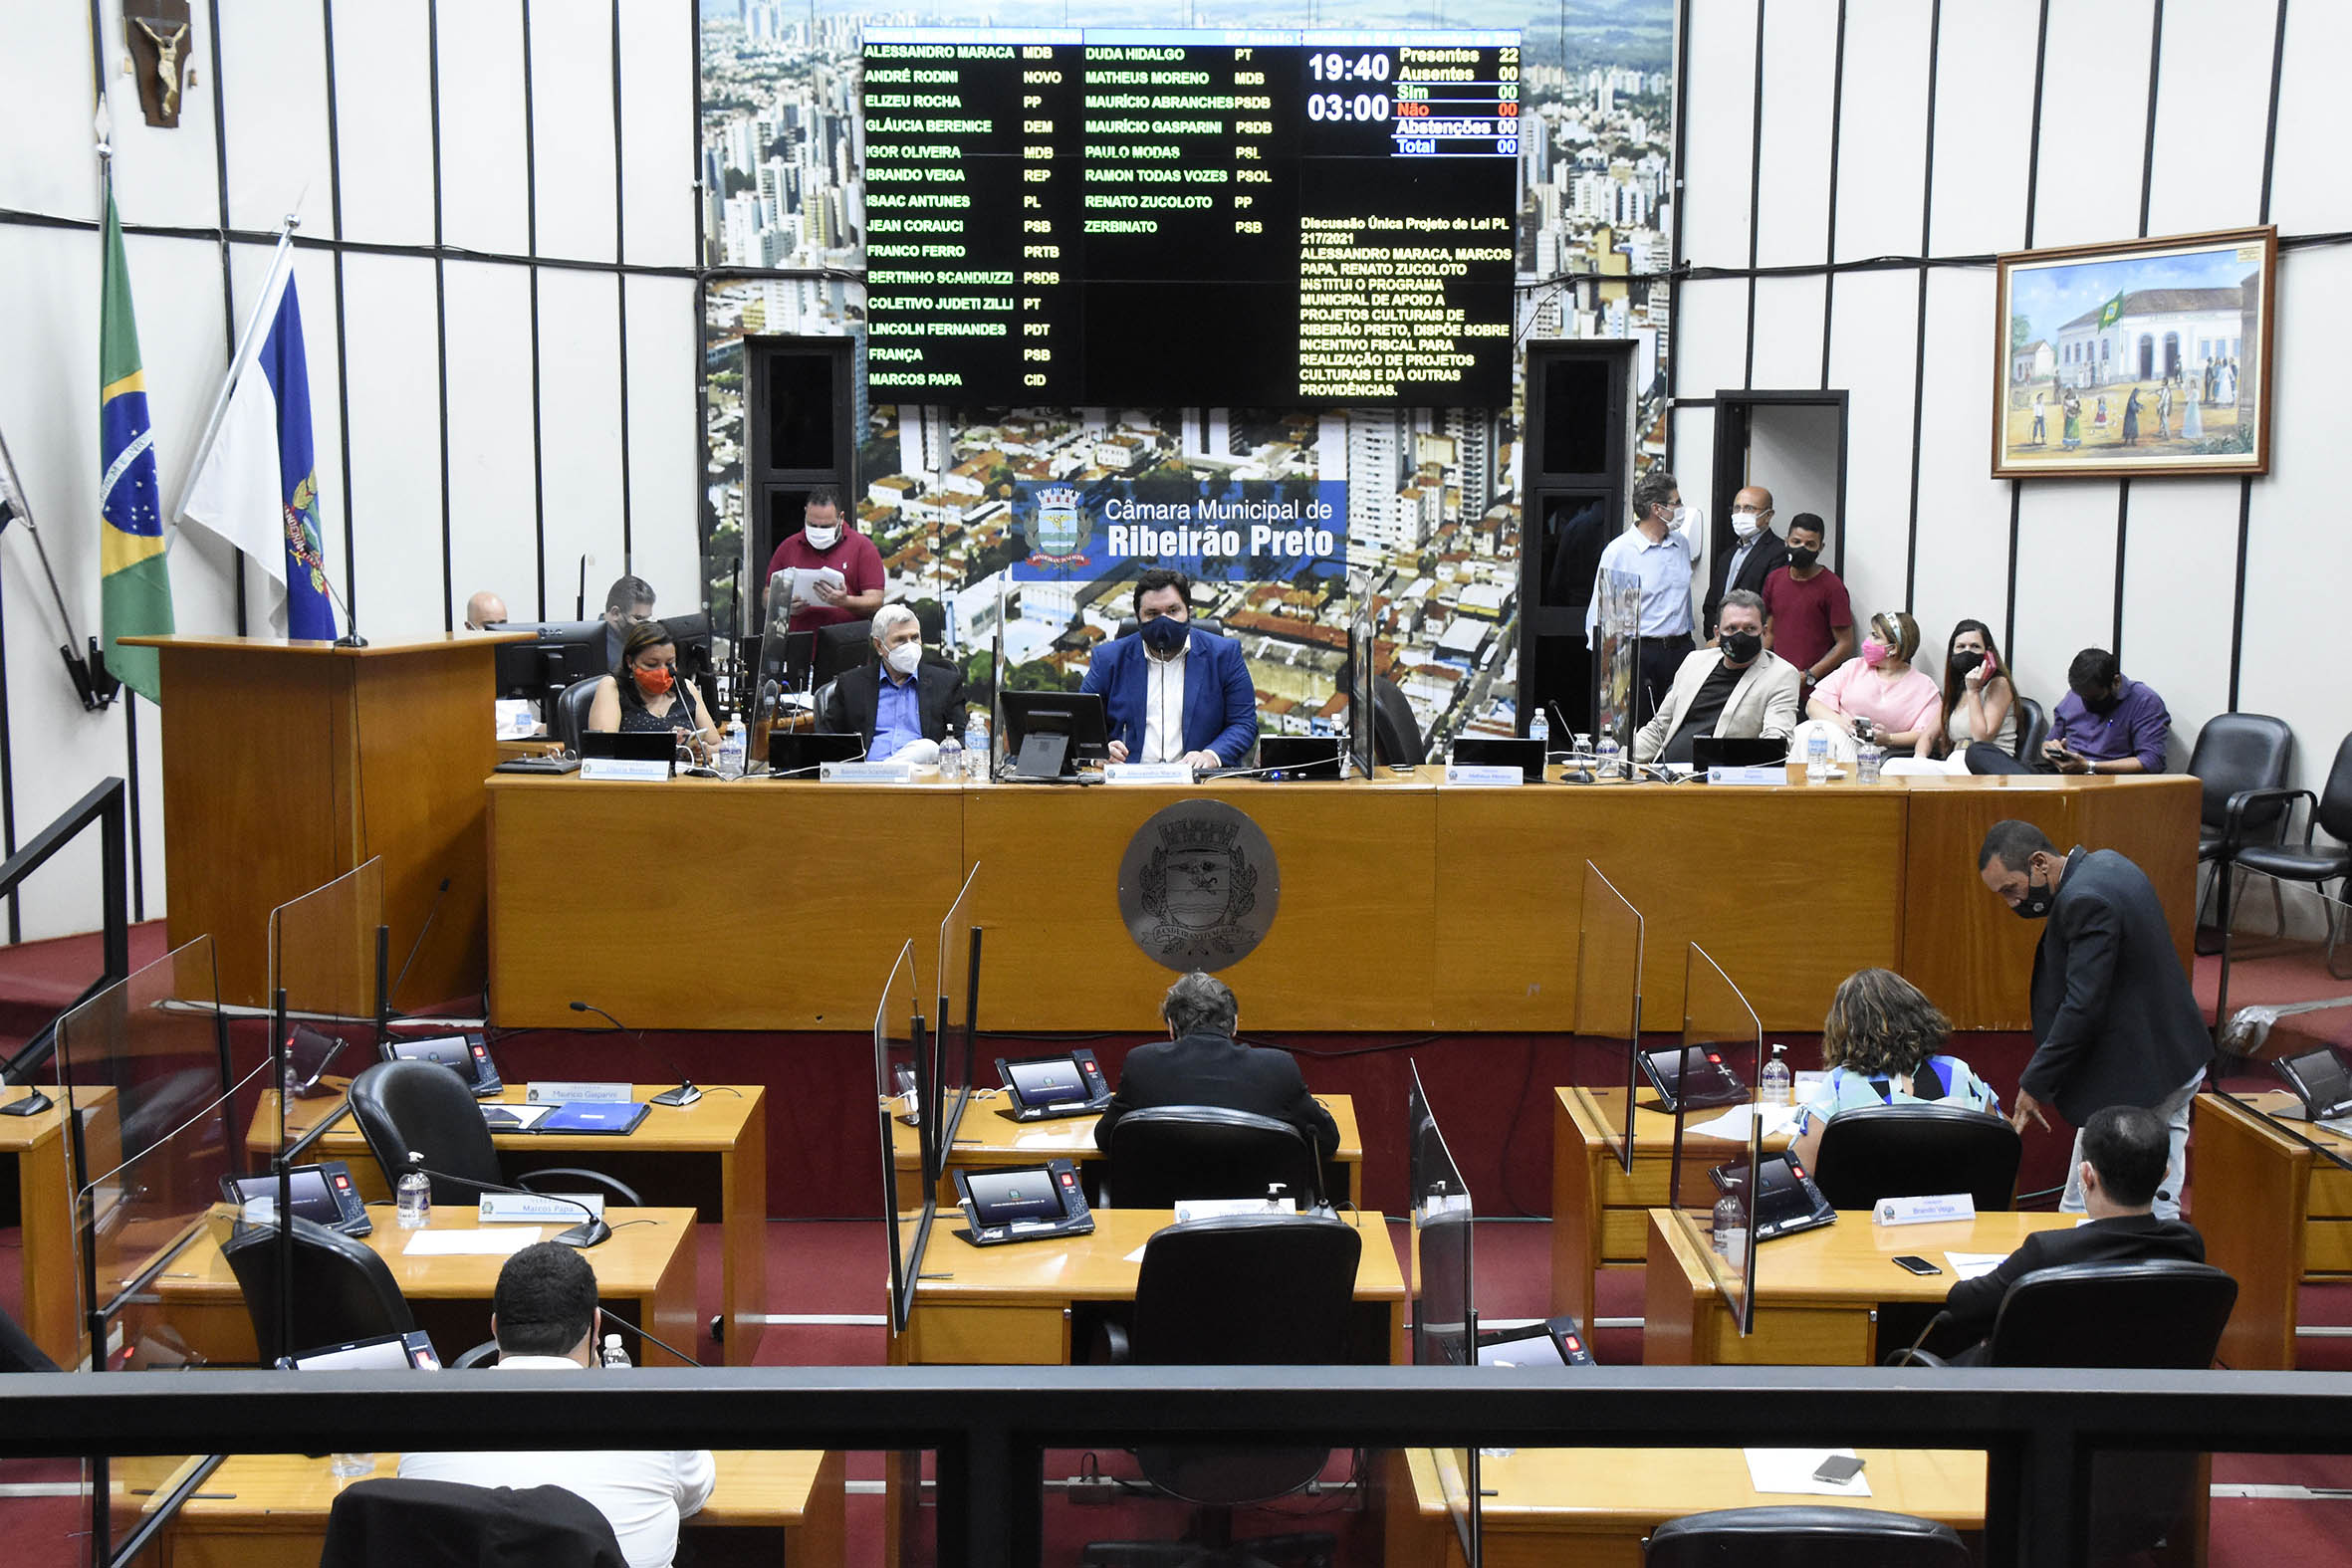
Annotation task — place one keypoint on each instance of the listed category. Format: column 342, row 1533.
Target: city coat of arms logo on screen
column 1198, row 886
column 1060, row 529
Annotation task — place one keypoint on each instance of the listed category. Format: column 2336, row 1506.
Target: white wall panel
column 1799, row 87
column 665, row 442
column 2212, row 108
column 395, row 445
column 1882, row 129
column 274, row 85
column 1710, row 335
column 492, row 524
column 1788, row 332
column 50, row 166
column 484, row 173
column 657, row 126
column 2308, row 190
column 1963, row 514
column 2094, row 115
column 383, row 75
column 1870, row 356
column 2065, row 581
column 2179, row 579
column 580, row 424
column 572, row 126
column 1719, row 106
column 1984, row 125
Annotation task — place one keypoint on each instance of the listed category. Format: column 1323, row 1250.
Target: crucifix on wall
column 156, row 35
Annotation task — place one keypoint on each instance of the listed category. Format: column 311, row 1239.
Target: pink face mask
column 1875, row 652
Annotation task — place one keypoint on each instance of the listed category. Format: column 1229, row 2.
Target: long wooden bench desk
column 35, row 1152
column 2276, row 1213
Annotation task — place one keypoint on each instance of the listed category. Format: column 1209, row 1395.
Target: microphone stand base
column 350, row 639
column 587, row 1233
column 683, row 1094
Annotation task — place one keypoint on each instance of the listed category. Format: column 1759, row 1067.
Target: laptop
column 634, row 745
column 1042, row 1088
column 1737, row 751
column 322, row 1194
column 798, row 754
column 1030, row 1205
column 1691, row 1078
column 1479, row 751
column 383, row 1352
column 1287, row 756
column 2320, row 1081
column 605, row 1117
column 1786, row 1200
column 467, row 1056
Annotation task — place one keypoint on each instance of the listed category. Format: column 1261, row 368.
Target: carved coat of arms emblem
column 1199, row 886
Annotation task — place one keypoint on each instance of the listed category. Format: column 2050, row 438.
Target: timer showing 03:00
column 1337, row 106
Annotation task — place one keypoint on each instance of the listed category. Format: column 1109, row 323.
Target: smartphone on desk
column 1917, row 1264
column 1838, row 1470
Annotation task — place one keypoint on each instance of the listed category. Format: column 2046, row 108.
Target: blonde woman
column 1879, row 696
column 1883, row 1045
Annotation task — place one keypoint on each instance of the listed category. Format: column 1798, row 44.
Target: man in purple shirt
column 2103, row 725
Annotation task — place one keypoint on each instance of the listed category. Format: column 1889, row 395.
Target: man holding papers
column 826, row 540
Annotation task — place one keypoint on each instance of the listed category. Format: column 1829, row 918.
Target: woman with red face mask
column 645, row 693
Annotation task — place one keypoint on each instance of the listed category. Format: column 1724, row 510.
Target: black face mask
column 1742, row 647
column 1802, row 557
column 1164, row 634
column 2035, row 905
column 1961, row 663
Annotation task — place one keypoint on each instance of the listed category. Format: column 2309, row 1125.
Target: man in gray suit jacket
column 2114, row 1019
column 1735, row 689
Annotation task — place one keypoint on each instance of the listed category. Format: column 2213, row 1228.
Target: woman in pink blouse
column 1881, row 687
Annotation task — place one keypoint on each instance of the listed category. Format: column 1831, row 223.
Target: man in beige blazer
column 1734, row 689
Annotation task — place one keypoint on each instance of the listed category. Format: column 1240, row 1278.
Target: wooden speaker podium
column 287, row 763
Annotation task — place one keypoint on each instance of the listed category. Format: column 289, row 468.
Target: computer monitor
column 1049, row 734
column 692, row 634
column 560, row 653
column 842, row 647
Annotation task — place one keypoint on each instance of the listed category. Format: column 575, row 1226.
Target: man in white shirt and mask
column 1172, row 691
column 546, row 1319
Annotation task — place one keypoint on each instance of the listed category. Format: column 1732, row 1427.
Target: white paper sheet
column 802, row 581
column 471, row 1244
column 1791, row 1471
column 1968, row 1265
column 1732, row 1124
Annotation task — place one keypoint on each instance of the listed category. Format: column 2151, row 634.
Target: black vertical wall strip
column 620, row 292
column 531, row 271
column 1837, row 102
column 2041, row 54
column 1919, row 351
column 1682, row 186
column 432, row 47
column 343, row 358
column 1755, row 194
column 2245, row 486
column 2123, row 523
column 2123, row 487
column 228, row 282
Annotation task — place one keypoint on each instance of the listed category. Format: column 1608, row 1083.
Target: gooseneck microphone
column 684, row 1094
column 584, row 1235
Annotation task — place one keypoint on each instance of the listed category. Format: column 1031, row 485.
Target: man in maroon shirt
column 1806, row 607
column 826, row 539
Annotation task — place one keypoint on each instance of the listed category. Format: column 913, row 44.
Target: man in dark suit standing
column 1756, row 555
column 897, row 701
column 2123, row 1154
column 1172, row 692
column 2114, row 1019
column 1203, row 1065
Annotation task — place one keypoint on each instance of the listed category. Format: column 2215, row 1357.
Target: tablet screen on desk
column 1052, row 1080
column 1010, row 1197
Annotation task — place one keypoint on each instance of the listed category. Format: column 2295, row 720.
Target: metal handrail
column 102, row 806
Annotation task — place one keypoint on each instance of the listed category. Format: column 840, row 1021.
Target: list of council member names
column 1076, row 216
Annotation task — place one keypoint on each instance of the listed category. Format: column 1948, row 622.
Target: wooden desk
column 2277, row 1215
column 985, row 1139
column 729, row 1122
column 766, row 917
column 1817, row 1294
column 50, row 1311
column 1599, row 1214
column 645, row 1272
column 1592, row 1507
column 274, row 1511
column 1012, row 1305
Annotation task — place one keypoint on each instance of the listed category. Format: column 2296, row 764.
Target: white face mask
column 905, row 658
column 821, row 537
column 1745, row 524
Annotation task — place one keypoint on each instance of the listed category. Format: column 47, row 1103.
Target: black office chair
column 341, row 1290
column 1917, row 1151
column 571, row 711
column 2033, row 727
column 421, row 1107
column 1171, row 1152
column 2240, row 759
column 1396, row 738
column 2317, row 864
column 1209, row 624
column 1803, row 1535
column 443, row 1524
column 1255, row 1291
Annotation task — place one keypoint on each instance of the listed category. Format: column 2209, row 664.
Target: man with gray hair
column 1734, row 689
column 1661, row 550
column 1203, row 1065
column 901, row 703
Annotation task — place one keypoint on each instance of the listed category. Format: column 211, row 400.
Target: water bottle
column 1604, row 755
column 1869, row 758
column 614, row 1355
column 951, row 760
column 1777, row 1083
column 734, row 742
column 351, row 1466
column 1729, row 1231
column 1540, row 728
column 976, row 746
column 1816, row 758
column 415, row 1193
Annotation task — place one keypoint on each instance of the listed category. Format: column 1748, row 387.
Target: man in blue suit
column 1172, row 692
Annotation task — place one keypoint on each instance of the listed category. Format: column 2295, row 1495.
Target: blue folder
column 589, row 1116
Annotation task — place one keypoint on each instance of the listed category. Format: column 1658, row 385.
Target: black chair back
column 1259, row 1290
column 1803, row 1535
column 341, row 1290
column 2334, row 809
column 442, row 1524
column 571, row 711
column 421, row 1107
column 1166, row 1153
column 2157, row 1314
column 2033, row 727
column 2241, row 751
column 1396, row 738
column 1917, row 1151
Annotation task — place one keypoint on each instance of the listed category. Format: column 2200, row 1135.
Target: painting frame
column 2160, row 374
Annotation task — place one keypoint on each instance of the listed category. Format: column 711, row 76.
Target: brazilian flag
column 135, row 581
column 2111, row 311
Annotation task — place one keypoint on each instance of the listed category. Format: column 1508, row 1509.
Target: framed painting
column 2139, row 357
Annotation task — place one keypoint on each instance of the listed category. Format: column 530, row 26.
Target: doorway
column 1793, row 444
